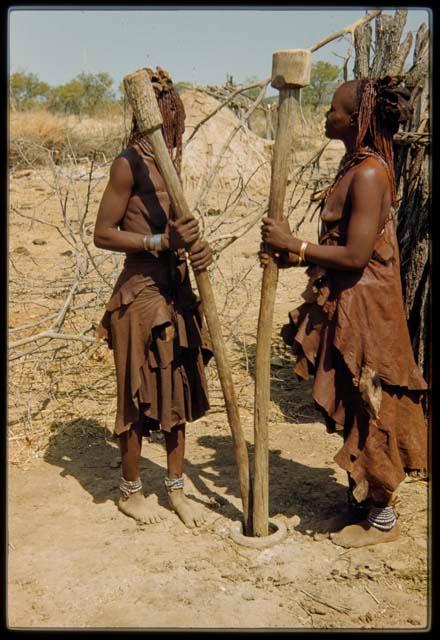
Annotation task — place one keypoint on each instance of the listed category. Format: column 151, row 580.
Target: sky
column 200, row 45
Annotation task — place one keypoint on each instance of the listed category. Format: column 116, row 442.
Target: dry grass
column 79, row 136
column 37, row 125
column 62, row 136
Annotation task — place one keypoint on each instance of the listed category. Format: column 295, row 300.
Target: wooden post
column 142, row 98
column 290, row 71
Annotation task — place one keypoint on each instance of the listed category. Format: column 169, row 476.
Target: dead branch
column 396, row 69
column 49, row 224
column 209, row 181
column 53, row 335
column 351, row 28
column 347, row 57
column 254, row 85
column 236, row 235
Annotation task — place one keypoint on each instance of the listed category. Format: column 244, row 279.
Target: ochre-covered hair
column 381, row 106
column 173, row 115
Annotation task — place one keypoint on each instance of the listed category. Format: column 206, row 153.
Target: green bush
column 323, row 82
column 84, row 95
column 27, row 91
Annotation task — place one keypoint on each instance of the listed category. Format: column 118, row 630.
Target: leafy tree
column 85, row 94
column 323, row 83
column 67, row 97
column 96, row 90
column 26, row 90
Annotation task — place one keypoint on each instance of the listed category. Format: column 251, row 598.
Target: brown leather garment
column 153, row 320
column 351, row 335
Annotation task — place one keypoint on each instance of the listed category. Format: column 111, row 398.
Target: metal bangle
column 302, row 252
column 156, row 242
column 146, row 243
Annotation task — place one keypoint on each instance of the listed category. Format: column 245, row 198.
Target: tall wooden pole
column 142, row 98
column 290, row 71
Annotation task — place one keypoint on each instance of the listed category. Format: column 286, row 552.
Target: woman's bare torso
column 148, row 209
column 338, row 203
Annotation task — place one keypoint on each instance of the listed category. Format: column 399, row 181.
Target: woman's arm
column 113, row 207
column 366, row 193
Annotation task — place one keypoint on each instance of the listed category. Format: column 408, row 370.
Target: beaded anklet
column 173, row 483
column 129, row 487
column 383, row 518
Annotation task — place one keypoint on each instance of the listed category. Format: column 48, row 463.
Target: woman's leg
column 175, row 446
column 189, row 512
column 130, row 446
column 404, row 445
column 132, row 501
column 377, row 520
column 376, row 467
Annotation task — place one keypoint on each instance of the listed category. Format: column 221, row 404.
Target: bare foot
column 144, row 510
column 363, row 534
column 189, row 512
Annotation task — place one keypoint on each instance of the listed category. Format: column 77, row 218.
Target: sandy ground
column 76, row 562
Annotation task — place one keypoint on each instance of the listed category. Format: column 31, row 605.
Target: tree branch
column 350, row 29
column 254, row 85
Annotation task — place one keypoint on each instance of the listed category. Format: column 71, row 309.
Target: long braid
column 173, row 114
column 374, row 131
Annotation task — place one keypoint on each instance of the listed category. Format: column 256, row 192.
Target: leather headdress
column 392, row 99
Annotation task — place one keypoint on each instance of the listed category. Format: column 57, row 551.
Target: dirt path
column 76, row 561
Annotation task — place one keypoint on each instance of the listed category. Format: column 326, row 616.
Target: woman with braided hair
column 351, row 332
column 153, row 321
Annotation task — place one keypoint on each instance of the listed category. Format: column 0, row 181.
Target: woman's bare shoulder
column 370, row 173
column 120, row 173
column 372, row 166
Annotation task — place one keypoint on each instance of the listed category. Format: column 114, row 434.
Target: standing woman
column 153, row 322
column 351, row 332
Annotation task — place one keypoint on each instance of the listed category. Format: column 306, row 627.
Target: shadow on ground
column 84, row 450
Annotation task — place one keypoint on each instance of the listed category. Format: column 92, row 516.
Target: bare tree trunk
column 412, row 165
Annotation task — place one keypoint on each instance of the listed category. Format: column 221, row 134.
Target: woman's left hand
column 202, row 257
column 276, row 233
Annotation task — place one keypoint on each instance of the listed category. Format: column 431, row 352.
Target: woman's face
column 339, row 123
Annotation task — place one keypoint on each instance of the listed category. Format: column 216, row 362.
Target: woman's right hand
column 283, row 259
column 182, row 232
